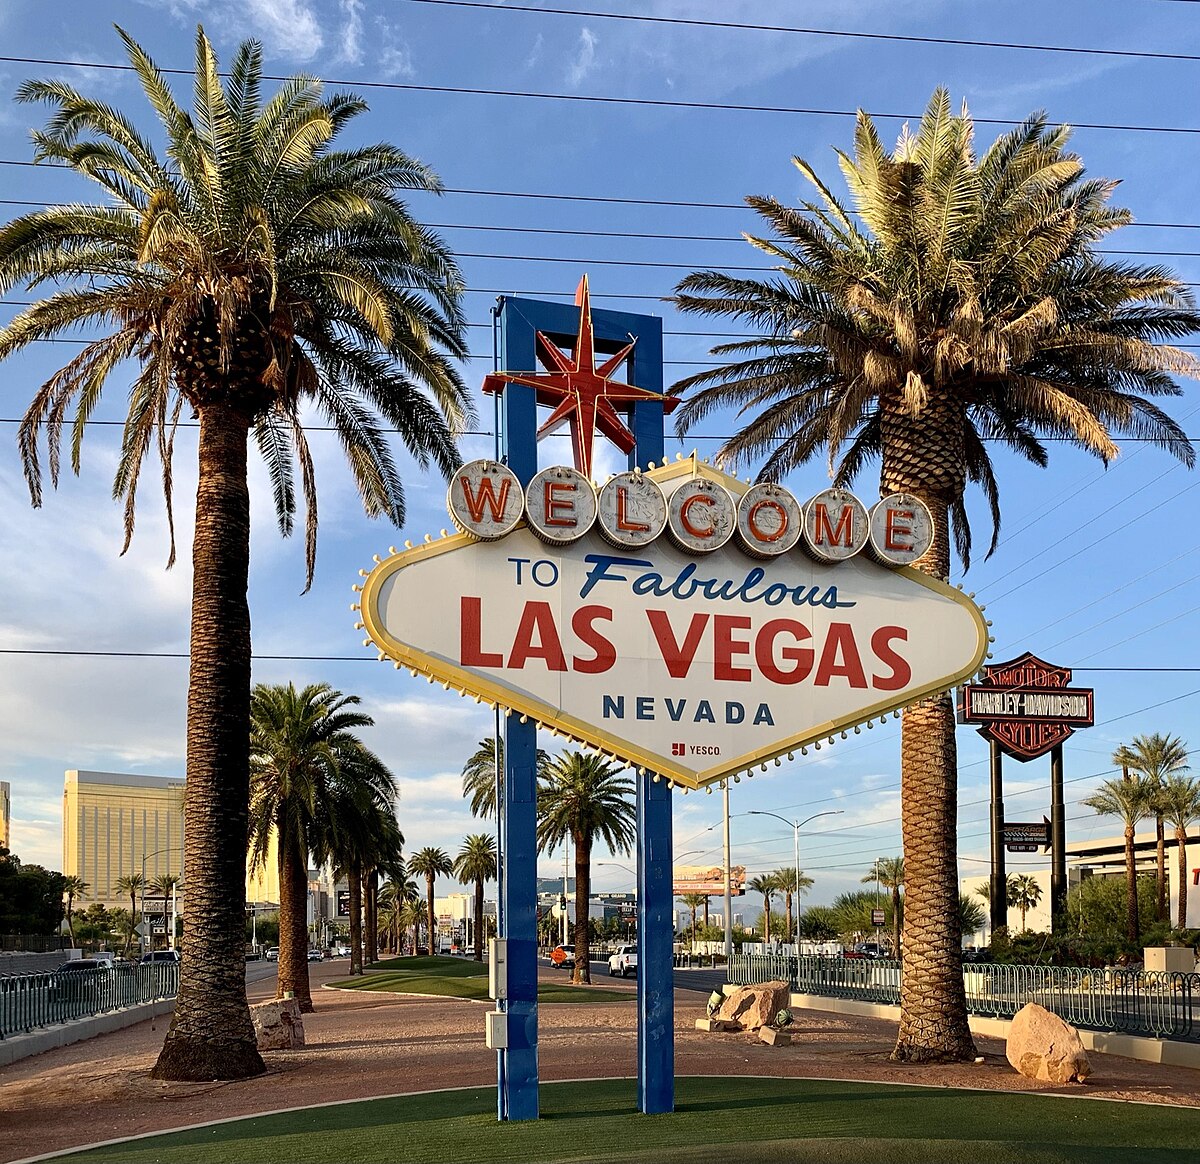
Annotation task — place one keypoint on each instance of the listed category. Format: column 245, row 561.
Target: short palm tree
column 475, row 864
column 767, row 884
column 131, row 883
column 961, row 300
column 257, row 276
column 1024, row 892
column 792, row 882
column 479, row 782
column 1155, row 757
column 73, row 886
column 430, row 863
column 399, row 904
column 582, row 798
column 1179, row 800
column 1131, row 800
column 889, row 872
column 693, row 901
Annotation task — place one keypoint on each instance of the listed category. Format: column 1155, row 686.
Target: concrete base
column 47, row 1038
column 773, row 1037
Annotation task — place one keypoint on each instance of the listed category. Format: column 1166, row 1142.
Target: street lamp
column 796, row 826
column 146, row 857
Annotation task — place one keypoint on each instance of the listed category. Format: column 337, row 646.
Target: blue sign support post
column 517, row 1065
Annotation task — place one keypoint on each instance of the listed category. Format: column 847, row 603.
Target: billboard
column 677, row 619
column 708, row 879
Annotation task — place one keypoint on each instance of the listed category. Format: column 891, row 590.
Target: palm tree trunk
column 293, row 919
column 1181, row 845
column 211, row 1035
column 787, row 901
column 933, row 1001
column 1132, row 927
column 371, row 951
column 429, row 914
column 767, row 919
column 354, row 883
column 706, row 912
column 896, row 952
column 478, row 919
column 583, row 889
column 1160, row 835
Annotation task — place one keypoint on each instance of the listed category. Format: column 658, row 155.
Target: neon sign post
column 687, row 624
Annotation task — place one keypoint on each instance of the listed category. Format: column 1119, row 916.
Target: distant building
column 5, row 814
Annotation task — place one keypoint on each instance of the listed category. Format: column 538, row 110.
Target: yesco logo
column 699, row 515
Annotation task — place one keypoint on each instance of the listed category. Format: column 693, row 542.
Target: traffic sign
column 878, row 917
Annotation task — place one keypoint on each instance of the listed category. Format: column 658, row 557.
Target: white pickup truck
column 623, row 962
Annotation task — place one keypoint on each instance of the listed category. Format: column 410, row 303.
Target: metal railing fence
column 33, row 943
column 28, row 1001
column 1134, row 1002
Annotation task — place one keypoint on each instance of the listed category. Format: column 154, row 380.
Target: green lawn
column 716, row 1120
column 461, row 978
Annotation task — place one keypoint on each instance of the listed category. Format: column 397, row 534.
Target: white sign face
column 693, row 667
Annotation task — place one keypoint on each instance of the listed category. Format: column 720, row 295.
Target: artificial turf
column 715, row 1119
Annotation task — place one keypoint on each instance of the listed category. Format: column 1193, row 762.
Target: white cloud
column 535, row 51
column 585, row 59
column 290, row 28
column 350, row 36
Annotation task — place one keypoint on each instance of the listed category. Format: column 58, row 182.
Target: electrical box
column 495, row 1030
column 497, row 969
column 1169, row 959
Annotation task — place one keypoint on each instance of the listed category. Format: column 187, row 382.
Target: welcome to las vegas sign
column 677, row 619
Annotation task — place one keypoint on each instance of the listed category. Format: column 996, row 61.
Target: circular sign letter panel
column 632, row 510
column 836, row 526
column 700, row 516
column 560, row 505
column 901, row 529
column 485, row 500
column 769, row 520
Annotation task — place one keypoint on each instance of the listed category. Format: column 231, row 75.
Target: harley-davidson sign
column 727, row 642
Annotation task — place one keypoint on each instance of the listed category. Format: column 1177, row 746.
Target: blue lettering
column 763, row 715
column 645, row 707
column 614, row 707
column 599, row 570
column 675, row 708
column 704, row 712
column 734, row 712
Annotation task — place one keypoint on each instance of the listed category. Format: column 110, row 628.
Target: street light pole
column 146, row 857
column 796, row 826
column 728, row 889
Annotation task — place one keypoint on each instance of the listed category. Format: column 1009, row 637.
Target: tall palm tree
column 767, row 884
column 1155, row 757
column 792, row 881
column 1179, row 800
column 479, row 781
column 73, row 886
column 1024, row 892
column 889, row 872
column 1131, row 800
column 254, row 272
column 693, row 901
column 299, row 741
column 430, row 863
column 476, row 863
column 583, row 798
column 397, row 898
column 132, row 884
column 961, row 299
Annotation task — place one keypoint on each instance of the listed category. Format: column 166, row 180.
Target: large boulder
column 751, row 1007
column 278, row 1024
column 1042, row 1046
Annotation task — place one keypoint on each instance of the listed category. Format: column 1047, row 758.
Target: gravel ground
column 364, row 1044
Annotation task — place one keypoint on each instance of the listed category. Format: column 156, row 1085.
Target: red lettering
column 605, row 653
column 697, row 531
column 897, row 536
column 764, row 651
column 537, row 618
column 752, row 520
column 469, row 650
column 839, row 657
column 842, row 536
column 726, row 646
column 622, row 522
column 881, row 644
column 565, row 504
column 678, row 658
column 486, row 496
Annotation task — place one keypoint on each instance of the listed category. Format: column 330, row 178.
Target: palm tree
column 254, row 272
column 583, row 798
column 1024, row 892
column 430, row 863
column 479, row 782
column 791, row 880
column 961, row 300
column 1131, row 800
column 132, row 883
column 889, row 872
column 766, row 884
column 299, row 741
column 693, row 901
column 398, row 897
column 1155, row 757
column 1179, row 798
column 73, row 886
column 476, row 862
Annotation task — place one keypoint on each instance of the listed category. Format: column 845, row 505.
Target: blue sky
column 1096, row 569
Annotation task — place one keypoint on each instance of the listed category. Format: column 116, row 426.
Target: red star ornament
column 581, row 394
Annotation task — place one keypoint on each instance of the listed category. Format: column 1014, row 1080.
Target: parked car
column 341, row 950
column 272, row 954
column 623, row 962
column 867, row 950
column 316, row 956
column 160, row 956
column 563, row 957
